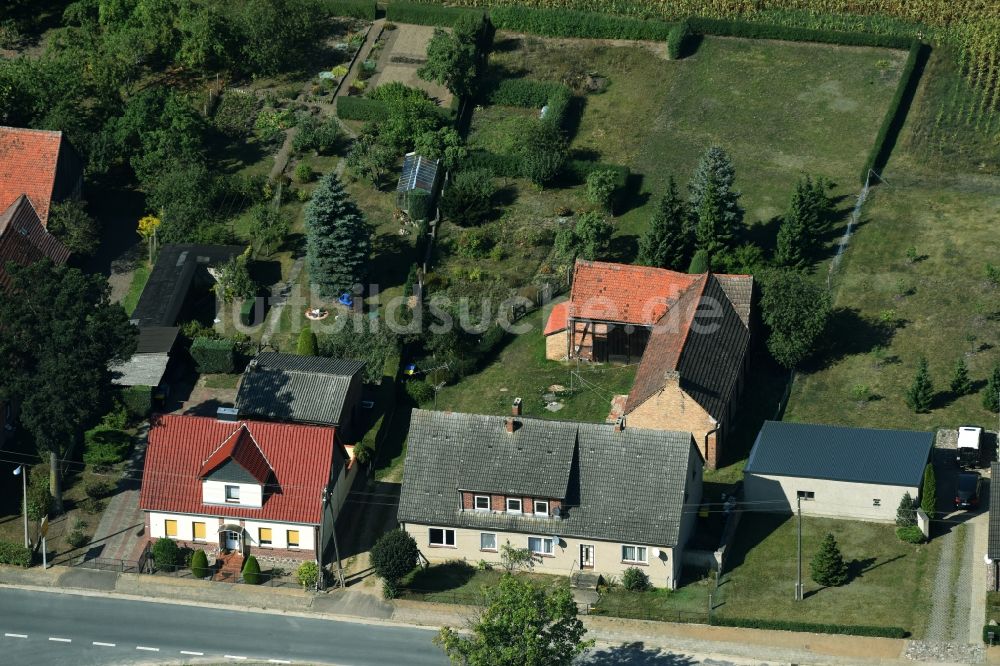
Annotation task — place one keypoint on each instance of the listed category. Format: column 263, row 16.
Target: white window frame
column 805, row 494
column 231, row 498
column 636, row 560
column 475, row 502
column 535, row 504
column 444, row 537
column 484, row 548
column 520, row 505
column 545, row 553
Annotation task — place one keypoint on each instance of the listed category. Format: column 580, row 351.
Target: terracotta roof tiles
column 625, row 293
column 29, row 161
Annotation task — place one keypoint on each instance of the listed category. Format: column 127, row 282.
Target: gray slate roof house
column 302, row 389
column 625, row 485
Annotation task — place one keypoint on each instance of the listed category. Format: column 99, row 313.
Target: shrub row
column 361, row 9
column 361, row 108
column 895, row 115
column 569, row 23
column 138, row 401
column 15, row 553
column 214, row 355
column 733, row 28
column 506, row 166
column 526, row 93
column 791, row 625
column 558, row 105
column 436, row 15
column 578, row 170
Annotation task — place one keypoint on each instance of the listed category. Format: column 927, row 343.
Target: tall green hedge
column 735, row 28
column 214, row 356
column 362, row 9
column 680, row 40
column 15, row 553
column 895, row 115
column 436, row 15
column 569, row 23
column 790, row 625
column 361, row 108
column 138, row 401
column 525, row 93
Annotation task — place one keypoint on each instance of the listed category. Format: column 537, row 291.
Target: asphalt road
column 54, row 629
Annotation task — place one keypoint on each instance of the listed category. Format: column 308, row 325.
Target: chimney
column 516, row 407
column 511, row 425
column 620, row 424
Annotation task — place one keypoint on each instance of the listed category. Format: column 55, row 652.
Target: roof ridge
column 31, row 130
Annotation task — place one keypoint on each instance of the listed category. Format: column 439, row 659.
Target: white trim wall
column 831, row 499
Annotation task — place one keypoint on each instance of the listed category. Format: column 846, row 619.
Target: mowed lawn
column 521, row 370
column 779, row 108
column 890, row 584
column 948, row 210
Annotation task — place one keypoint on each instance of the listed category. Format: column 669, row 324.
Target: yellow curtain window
column 293, row 538
column 265, row 536
column 199, row 530
column 170, row 527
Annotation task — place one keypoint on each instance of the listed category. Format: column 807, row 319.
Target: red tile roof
column 242, row 449
column 23, row 239
column 28, row 161
column 625, row 293
column 557, row 318
column 300, row 456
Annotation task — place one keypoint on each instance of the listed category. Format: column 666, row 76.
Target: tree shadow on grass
column 623, row 248
column 631, row 196
column 441, row 577
column 754, row 529
column 849, row 333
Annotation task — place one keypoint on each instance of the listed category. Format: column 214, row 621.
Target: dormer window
column 482, row 503
column 542, row 507
column 233, row 494
column 513, row 505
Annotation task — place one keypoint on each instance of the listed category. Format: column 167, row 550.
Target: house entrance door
column 232, row 541
column 586, row 556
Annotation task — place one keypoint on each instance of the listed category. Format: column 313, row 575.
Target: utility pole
column 798, row 582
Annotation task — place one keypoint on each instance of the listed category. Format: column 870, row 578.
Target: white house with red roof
column 273, row 490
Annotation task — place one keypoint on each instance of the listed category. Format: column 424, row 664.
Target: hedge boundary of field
column 359, row 9
column 791, row 625
column 574, row 23
column 751, row 30
column 368, row 110
column 435, row 15
column 899, row 108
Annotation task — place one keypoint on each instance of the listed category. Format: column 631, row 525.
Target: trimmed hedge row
column 138, row 401
column 578, row 170
column 790, row 625
column 361, row 9
column 361, row 108
column 558, row 105
column 436, row 15
column 680, row 40
column 15, row 553
column 732, row 28
column 526, row 93
column 570, row 23
column 214, row 356
column 895, row 115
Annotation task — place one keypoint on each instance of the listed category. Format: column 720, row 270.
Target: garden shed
column 419, row 175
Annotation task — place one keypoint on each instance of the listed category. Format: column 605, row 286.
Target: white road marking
column 147, row 649
column 196, row 654
column 100, row 644
column 234, row 656
column 278, row 661
column 16, row 635
column 61, row 640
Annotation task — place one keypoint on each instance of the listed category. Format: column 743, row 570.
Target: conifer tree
column 792, row 243
column 960, row 382
column 716, row 168
column 828, row 567
column 928, row 492
column 711, row 233
column 338, row 239
column 921, row 393
column 991, row 394
column 669, row 240
column 906, row 513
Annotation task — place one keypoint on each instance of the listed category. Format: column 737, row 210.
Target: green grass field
column 460, row 583
column 890, row 585
column 946, row 208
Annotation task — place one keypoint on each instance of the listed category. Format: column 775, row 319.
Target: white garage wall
column 832, row 499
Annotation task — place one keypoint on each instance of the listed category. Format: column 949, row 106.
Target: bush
column 468, row 198
column 736, row 28
column 306, row 345
column 436, row 15
column 303, row 172
column 791, row 625
column 556, row 106
column 77, row 539
column 307, row 574
column 39, row 499
column 418, row 204
column 394, row 555
column 390, row 589
column 117, row 418
column 138, row 401
column 322, row 137
column 199, row 564
column 699, row 263
column 99, row 489
column 635, row 580
column 91, row 505
column 105, row 447
column 679, row 40
column 601, row 187
column 577, row 171
column 419, row 391
column 569, row 23
column 506, row 166
column 166, row 554
column 361, row 108
column 895, row 115
column 910, row 534
column 15, row 554
column 214, row 356
column 524, row 93
column 236, row 114
column 251, row 571
column 360, row 9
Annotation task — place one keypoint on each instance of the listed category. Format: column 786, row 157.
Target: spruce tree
column 338, row 239
column 699, row 263
column 669, row 239
column 991, row 394
column 792, row 243
column 921, row 393
column 906, row 514
column 716, row 168
column 960, row 382
column 802, row 227
column 928, row 492
column 828, row 567
column 711, row 234
column 306, row 345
